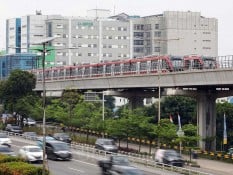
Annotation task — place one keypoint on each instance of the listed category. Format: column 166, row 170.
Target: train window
column 94, row 70
column 68, row 71
column 143, row 65
column 48, row 74
column 209, row 62
column 100, row 69
column 80, row 72
column 73, row 71
column 117, row 68
column 87, row 71
column 61, row 73
column 55, row 74
column 196, row 64
column 154, row 64
column 164, row 65
column 126, row 67
column 108, row 68
column 133, row 67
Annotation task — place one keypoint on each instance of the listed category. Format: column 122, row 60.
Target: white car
column 31, row 153
column 4, row 139
column 29, row 122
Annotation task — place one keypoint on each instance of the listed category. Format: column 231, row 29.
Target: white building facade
column 100, row 37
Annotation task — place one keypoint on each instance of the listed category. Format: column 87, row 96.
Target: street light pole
column 44, row 50
column 44, row 96
column 103, row 113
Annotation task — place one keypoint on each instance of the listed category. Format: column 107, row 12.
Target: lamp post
column 159, row 71
column 103, row 117
column 159, row 83
column 44, row 50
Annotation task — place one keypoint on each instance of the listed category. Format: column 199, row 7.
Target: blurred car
column 124, row 170
column 14, row 128
column 118, row 165
column 31, row 153
column 30, row 135
column 57, row 150
column 106, row 145
column 29, row 122
column 6, row 150
column 39, row 140
column 62, row 137
column 169, row 156
column 230, row 151
column 4, row 139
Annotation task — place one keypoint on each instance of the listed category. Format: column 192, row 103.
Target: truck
column 117, row 165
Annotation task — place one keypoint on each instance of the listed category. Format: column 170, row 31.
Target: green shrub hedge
column 16, row 166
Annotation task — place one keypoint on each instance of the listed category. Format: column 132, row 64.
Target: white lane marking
column 76, row 170
column 85, row 162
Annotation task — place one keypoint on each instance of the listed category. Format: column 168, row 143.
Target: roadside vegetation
column 72, row 112
column 15, row 166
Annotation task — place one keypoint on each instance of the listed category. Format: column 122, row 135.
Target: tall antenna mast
column 96, row 10
column 114, row 8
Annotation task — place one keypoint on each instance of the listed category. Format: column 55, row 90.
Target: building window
column 122, row 29
column 157, row 49
column 59, row 26
column 147, row 34
column 138, row 34
column 157, row 34
column 65, row 36
column 156, row 26
column 138, row 49
column 148, row 50
column 206, row 48
column 138, row 42
column 148, row 27
column 138, row 27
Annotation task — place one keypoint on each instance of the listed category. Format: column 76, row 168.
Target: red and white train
column 145, row 65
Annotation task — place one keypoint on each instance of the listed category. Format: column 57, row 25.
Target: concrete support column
column 135, row 102
column 206, row 118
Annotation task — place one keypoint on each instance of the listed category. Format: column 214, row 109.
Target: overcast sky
column 220, row 9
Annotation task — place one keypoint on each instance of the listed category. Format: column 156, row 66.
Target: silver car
column 31, row 153
column 106, row 145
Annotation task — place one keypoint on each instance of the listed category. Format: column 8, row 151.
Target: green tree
column 191, row 137
column 70, row 98
column 20, row 83
column 166, row 132
column 25, row 107
column 184, row 106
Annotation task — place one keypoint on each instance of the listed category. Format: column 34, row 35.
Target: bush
column 5, row 158
column 20, row 168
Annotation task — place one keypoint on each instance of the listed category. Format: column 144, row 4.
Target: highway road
column 81, row 164
column 85, row 163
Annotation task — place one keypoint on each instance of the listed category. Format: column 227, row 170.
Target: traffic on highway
column 85, row 159
column 81, row 162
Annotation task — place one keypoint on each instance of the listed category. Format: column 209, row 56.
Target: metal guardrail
column 137, row 160
column 134, row 158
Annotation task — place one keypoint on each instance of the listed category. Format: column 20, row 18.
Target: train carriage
column 97, row 70
column 146, row 65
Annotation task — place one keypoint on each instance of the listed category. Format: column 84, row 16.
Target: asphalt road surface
column 79, row 165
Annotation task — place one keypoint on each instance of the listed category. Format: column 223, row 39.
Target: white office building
column 100, row 37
